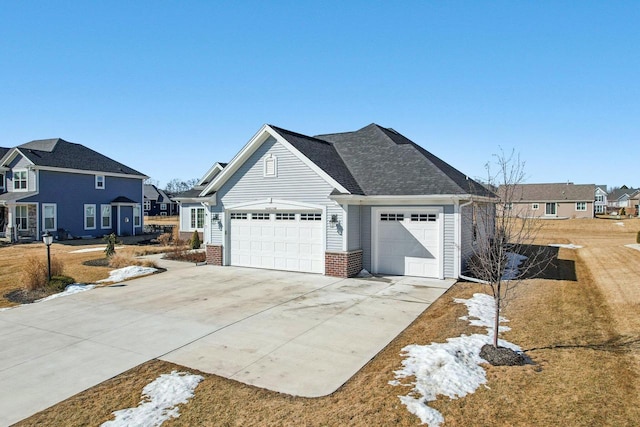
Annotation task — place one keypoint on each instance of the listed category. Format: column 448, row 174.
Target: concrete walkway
column 301, row 334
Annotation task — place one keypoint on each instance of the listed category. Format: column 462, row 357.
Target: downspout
column 459, row 229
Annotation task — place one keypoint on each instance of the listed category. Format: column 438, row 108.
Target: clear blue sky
column 170, row 87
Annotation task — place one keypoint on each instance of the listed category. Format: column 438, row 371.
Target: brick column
column 343, row 264
column 214, row 254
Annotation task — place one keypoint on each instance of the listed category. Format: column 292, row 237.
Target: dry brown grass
column 120, row 260
column 162, row 220
column 35, row 272
column 574, row 330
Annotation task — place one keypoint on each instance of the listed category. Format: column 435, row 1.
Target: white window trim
column 581, row 210
column 15, row 220
column 102, row 226
column 535, row 206
column 26, row 179
column 193, row 214
column 104, row 182
column 147, row 205
column 163, row 206
column 55, row 217
column 86, row 217
column 137, row 216
column 268, row 159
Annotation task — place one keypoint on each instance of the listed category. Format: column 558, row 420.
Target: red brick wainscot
column 214, row 254
column 343, row 264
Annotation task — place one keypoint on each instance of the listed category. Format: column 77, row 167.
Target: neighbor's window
column 22, row 217
column 20, row 180
column 89, row 217
column 581, row 206
column 105, row 216
column 49, row 219
column 270, row 165
column 508, row 206
column 197, row 218
column 163, row 206
column 100, row 182
column 136, row 216
column 535, row 206
column 147, row 205
column 599, row 198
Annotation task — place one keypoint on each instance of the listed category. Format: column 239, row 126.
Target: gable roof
column 384, row 162
column 3, row 151
column 58, row 153
column 152, row 192
column 553, row 192
column 621, row 192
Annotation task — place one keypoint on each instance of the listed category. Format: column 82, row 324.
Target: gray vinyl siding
column 450, row 246
column 20, row 163
column 295, row 181
column 217, row 230
column 353, row 229
column 365, row 236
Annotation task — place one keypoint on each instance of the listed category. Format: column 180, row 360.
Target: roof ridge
column 279, row 129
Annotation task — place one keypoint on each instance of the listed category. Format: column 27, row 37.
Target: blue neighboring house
column 67, row 189
column 157, row 202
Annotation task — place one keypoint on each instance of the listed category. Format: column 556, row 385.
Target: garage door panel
column 285, row 243
column 408, row 242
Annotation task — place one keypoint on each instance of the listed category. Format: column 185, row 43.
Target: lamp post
column 48, row 239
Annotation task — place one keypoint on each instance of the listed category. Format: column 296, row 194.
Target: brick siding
column 214, row 254
column 343, row 264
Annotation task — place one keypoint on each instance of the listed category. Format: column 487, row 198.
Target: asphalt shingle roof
column 63, row 154
column 3, row 151
column 555, row 192
column 384, row 162
column 152, row 192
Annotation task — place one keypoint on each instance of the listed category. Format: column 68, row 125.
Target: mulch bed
column 502, row 356
column 100, row 262
column 22, row 296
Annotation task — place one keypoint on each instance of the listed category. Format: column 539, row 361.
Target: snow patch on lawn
column 635, row 246
column 620, row 224
column 450, row 369
column 81, row 251
column 74, row 288
column 160, row 399
column 565, row 245
column 364, row 273
column 122, row 274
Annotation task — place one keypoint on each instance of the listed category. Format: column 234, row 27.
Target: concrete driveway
column 301, row 334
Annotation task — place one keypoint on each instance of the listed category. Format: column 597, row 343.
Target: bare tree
column 503, row 261
column 151, row 181
column 177, row 185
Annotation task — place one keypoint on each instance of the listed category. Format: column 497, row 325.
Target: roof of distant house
column 552, row 192
column 152, row 192
column 58, row 153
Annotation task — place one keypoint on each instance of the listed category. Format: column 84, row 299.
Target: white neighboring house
column 600, row 204
column 623, row 198
column 334, row 204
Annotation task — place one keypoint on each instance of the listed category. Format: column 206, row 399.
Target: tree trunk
column 496, row 322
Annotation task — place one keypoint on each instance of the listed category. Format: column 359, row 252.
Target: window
column 391, row 217
column 163, row 206
column 20, row 180
column 550, row 209
column 22, row 217
column 599, row 198
column 270, row 166
column 260, row 216
column 89, row 217
column 238, row 215
column 581, row 206
column 147, row 205
column 100, row 182
column 310, row 217
column 508, row 206
column 163, row 214
column 49, row 217
column 136, row 216
column 285, row 217
column 424, row 217
column 197, row 218
column 1, row 181
column 105, row 215
column 535, row 206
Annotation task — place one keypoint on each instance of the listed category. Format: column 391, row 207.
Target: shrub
column 111, row 240
column 194, row 243
column 59, row 283
column 623, row 212
column 638, row 237
column 34, row 271
column 164, row 239
column 121, row 261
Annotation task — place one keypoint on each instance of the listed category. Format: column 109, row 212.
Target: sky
column 169, row 88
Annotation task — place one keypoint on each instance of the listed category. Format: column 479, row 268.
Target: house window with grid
column 310, row 217
column 22, row 217
column 20, row 180
column 163, row 206
column 285, row 217
column 599, row 198
column 49, row 216
column 238, row 215
column 581, row 206
column 100, row 182
column 105, row 216
column 197, row 218
column 535, row 206
column 89, row 217
column 147, row 205
column 137, row 218
column 260, row 216
column 391, row 217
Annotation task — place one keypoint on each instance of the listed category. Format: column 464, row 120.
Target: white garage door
column 281, row 241
column 408, row 242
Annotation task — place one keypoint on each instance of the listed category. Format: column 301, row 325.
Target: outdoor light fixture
column 48, row 240
column 215, row 217
column 334, row 220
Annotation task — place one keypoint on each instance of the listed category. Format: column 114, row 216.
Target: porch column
column 10, row 225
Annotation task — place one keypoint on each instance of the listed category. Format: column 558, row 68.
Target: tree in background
column 503, row 250
column 177, row 185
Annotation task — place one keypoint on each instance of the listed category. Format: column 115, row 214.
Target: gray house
column 337, row 203
column 68, row 190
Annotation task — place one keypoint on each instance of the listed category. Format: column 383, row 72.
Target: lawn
column 581, row 331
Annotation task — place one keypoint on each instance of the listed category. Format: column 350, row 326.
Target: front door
column 550, row 209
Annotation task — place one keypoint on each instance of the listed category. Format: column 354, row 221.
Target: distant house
column 337, row 203
column 600, row 204
column 622, row 198
column 66, row 189
column 563, row 200
column 157, row 202
column 192, row 206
